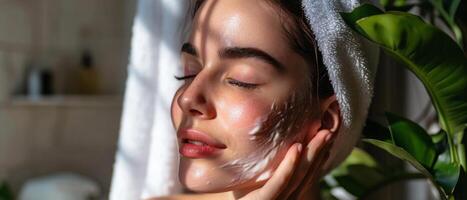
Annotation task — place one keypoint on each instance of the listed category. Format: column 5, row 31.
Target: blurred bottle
column 39, row 82
column 88, row 80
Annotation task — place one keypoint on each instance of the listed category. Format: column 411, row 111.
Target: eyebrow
column 240, row 53
column 189, row 49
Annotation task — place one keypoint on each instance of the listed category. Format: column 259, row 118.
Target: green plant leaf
column 400, row 2
column 448, row 16
column 5, row 192
column 404, row 155
column 462, row 155
column 360, row 12
column 404, row 8
column 454, row 5
column 392, row 3
column 413, row 139
column 431, row 55
column 351, row 185
column 446, row 174
column 361, row 175
column 384, row 3
column 399, row 153
column 358, row 173
column 439, row 137
column 374, row 130
column 440, row 140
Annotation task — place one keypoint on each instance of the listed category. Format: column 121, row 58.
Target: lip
column 209, row 148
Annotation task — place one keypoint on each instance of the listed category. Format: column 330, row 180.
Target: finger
column 305, row 187
column 320, row 157
column 306, row 160
column 275, row 185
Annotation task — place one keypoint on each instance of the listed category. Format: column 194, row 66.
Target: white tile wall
column 76, row 135
column 53, row 33
column 40, row 139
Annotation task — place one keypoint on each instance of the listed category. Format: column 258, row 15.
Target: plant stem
column 452, row 149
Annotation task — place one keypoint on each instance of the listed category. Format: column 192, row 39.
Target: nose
column 194, row 100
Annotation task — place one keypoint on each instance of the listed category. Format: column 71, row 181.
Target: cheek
column 175, row 111
column 242, row 115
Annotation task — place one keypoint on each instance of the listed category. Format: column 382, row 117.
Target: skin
column 228, row 96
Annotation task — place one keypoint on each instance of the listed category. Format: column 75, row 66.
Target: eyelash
column 249, row 86
column 182, row 78
column 233, row 82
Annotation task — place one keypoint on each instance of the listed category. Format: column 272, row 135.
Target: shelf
column 67, row 101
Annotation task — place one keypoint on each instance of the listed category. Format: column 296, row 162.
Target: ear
column 330, row 115
column 328, row 119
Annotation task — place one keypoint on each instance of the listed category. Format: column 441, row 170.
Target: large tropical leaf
column 399, row 153
column 404, row 155
column 429, row 53
column 413, row 139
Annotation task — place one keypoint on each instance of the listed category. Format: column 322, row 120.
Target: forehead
column 243, row 23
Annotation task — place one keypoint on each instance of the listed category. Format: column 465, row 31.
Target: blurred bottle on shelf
column 88, row 79
column 39, row 82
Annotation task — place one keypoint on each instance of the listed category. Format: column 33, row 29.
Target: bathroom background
column 62, row 76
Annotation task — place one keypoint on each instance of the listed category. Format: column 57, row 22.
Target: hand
column 297, row 172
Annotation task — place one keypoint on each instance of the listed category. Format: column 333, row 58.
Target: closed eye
column 242, row 84
column 182, row 78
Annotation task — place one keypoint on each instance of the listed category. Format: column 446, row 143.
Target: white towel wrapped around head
column 351, row 63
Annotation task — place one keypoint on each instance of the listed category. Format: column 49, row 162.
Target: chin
column 202, row 177
column 195, row 176
column 201, row 185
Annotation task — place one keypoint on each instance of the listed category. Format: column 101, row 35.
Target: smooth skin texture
column 237, row 64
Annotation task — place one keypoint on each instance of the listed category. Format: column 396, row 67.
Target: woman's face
column 238, row 66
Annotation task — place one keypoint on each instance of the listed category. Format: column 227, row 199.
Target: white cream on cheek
column 255, row 165
column 248, row 167
column 256, row 128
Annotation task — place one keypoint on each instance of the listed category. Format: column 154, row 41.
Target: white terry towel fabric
column 147, row 161
column 351, row 62
column 147, row 156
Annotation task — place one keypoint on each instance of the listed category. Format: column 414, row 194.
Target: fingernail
column 299, row 147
